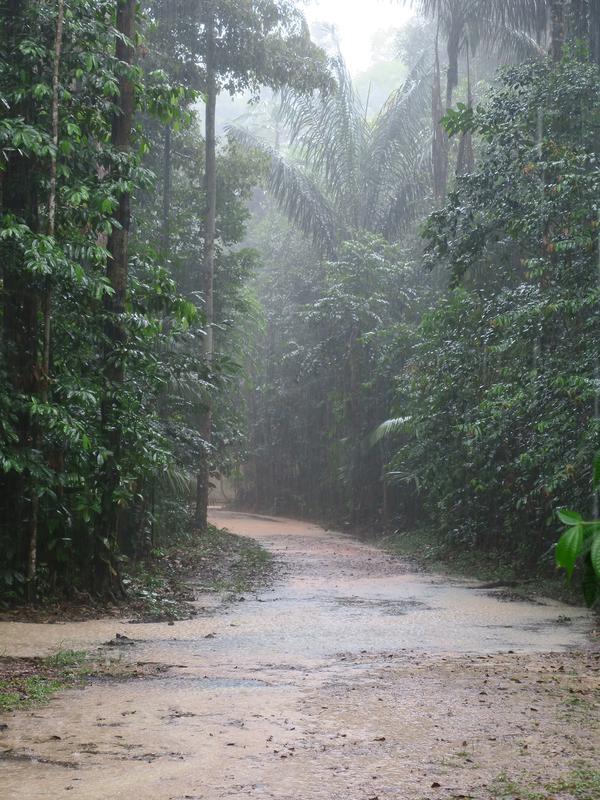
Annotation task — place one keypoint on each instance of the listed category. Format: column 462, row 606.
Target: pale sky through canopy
column 357, row 21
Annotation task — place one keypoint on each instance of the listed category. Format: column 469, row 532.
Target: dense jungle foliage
column 382, row 312
column 106, row 380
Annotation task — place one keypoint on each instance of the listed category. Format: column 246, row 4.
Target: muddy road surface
column 351, row 678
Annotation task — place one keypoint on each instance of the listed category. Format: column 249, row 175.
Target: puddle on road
column 391, row 608
column 192, row 683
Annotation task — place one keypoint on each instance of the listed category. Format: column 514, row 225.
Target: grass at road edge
column 430, row 553
column 161, row 589
column 27, row 682
column 163, row 586
column 581, row 784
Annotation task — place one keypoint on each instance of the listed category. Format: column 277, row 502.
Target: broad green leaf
column 590, row 585
column 595, row 554
column 568, row 548
column 569, row 517
column 596, row 476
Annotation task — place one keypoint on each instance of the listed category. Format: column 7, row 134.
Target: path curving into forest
column 351, row 678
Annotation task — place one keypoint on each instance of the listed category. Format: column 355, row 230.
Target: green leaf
column 590, row 584
column 569, row 517
column 569, row 548
column 596, row 475
column 595, row 554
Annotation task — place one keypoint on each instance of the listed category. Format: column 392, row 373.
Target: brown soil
column 351, row 679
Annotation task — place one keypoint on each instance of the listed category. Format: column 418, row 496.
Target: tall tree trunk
column 439, row 146
column 453, row 44
column 354, row 433
column 465, row 161
column 203, row 477
column 46, row 300
column 584, row 25
column 116, row 334
column 167, row 182
column 594, row 30
column 579, row 19
column 557, row 23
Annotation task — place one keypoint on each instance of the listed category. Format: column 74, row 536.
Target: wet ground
column 350, row 679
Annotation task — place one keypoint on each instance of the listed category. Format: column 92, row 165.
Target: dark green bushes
column 503, row 386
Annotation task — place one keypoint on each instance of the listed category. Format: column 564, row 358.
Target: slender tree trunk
column 354, row 433
column 465, row 161
column 385, row 509
column 203, row 478
column 46, row 300
column 116, row 334
column 440, row 139
column 167, row 182
column 579, row 13
column 594, row 30
column 584, row 25
column 557, row 22
column 453, row 49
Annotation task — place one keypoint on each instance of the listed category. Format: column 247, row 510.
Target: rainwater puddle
column 391, row 608
column 193, row 683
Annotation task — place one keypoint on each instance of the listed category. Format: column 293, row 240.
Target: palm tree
column 345, row 173
column 509, row 26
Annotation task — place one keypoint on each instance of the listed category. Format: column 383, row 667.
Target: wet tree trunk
column 106, row 574
column 581, row 21
column 440, row 138
column 594, row 30
column 43, row 369
column 60, row 15
column 354, row 433
column 203, row 476
column 557, row 28
column 465, row 162
column 455, row 34
column 167, row 183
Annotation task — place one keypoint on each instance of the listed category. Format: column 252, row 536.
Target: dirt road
column 349, row 679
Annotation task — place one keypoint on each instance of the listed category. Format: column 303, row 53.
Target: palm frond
column 331, row 132
column 350, row 174
column 509, row 42
column 487, row 18
column 397, row 153
column 178, row 481
column 298, row 194
column 388, row 428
